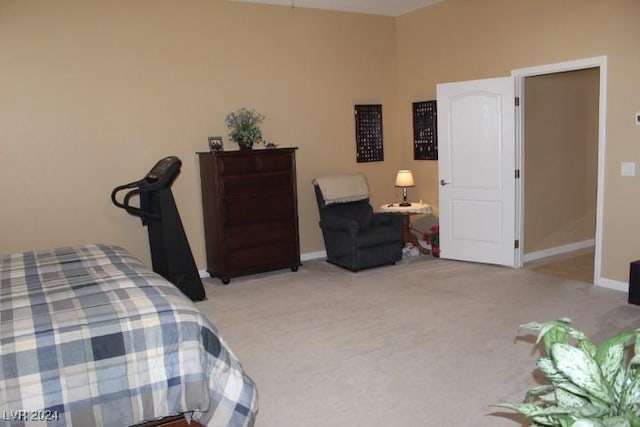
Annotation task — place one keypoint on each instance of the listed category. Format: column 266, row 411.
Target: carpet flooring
column 576, row 265
column 427, row 342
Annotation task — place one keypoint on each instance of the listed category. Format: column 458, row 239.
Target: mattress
column 89, row 336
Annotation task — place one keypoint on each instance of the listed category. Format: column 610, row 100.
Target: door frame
column 519, row 77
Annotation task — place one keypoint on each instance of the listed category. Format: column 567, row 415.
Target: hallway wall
column 561, row 158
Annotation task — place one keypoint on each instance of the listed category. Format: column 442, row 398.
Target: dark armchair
column 355, row 237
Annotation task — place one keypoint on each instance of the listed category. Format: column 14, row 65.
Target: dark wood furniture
column 175, row 421
column 250, row 208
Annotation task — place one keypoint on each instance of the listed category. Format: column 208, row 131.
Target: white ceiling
column 376, row 7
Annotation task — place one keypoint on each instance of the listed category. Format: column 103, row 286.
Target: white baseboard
column 613, row 284
column 532, row 256
column 313, row 255
column 303, row 257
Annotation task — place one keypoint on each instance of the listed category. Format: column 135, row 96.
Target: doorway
column 561, row 137
column 561, row 163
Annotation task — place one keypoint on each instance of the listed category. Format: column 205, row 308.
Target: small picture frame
column 215, row 143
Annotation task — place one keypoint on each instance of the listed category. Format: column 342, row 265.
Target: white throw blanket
column 343, row 188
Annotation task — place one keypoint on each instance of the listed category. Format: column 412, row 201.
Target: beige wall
column 561, row 158
column 95, row 92
column 469, row 39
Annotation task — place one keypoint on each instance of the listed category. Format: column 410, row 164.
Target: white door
column 476, row 150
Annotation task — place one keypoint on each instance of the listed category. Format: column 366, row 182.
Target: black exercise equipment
column 634, row 283
column 170, row 252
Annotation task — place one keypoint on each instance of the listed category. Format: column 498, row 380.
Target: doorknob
column 443, row 182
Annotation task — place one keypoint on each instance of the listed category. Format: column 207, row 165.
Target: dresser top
column 255, row 151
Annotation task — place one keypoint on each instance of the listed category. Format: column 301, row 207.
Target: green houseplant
column 244, row 127
column 590, row 386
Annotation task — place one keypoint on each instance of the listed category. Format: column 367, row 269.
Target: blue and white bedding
column 91, row 337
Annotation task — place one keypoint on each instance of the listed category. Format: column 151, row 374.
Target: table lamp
column 404, row 179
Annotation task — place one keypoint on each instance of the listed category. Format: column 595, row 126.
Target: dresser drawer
column 248, row 164
column 273, row 253
column 247, row 185
column 258, row 210
column 260, row 235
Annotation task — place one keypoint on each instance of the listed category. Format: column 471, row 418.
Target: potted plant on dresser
column 244, row 127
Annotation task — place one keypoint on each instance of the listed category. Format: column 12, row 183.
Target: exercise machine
column 171, row 255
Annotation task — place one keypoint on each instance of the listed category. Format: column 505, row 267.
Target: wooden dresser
column 250, row 208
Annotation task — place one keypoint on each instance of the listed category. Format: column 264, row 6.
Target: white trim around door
column 519, row 75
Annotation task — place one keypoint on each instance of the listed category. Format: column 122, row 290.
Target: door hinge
column 517, row 173
column 517, row 244
column 517, row 101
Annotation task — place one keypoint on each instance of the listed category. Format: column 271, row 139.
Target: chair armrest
column 379, row 218
column 340, row 224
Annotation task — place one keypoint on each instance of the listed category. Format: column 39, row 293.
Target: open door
column 477, row 155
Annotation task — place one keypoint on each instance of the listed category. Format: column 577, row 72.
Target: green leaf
column 587, row 423
column 555, row 336
column 554, row 420
column 591, row 411
column 537, row 392
column 636, row 346
column 558, row 331
column 579, row 368
column 610, row 355
column 631, row 395
column 635, row 360
column 571, row 400
column 579, row 392
column 546, row 366
column 619, row 421
column 633, row 419
column 588, row 346
column 550, row 416
column 619, row 384
column 558, row 379
column 552, row 331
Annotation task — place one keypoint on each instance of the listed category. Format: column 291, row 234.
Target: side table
column 406, row 212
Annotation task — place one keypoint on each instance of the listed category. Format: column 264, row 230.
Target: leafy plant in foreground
column 591, row 386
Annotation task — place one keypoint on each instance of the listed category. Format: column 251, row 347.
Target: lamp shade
column 404, row 179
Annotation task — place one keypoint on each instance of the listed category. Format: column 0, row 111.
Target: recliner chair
column 355, row 237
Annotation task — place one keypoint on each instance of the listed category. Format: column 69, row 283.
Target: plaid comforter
column 89, row 336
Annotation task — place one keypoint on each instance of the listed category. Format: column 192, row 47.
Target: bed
column 89, row 336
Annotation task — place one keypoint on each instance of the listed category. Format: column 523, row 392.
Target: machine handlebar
column 159, row 177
